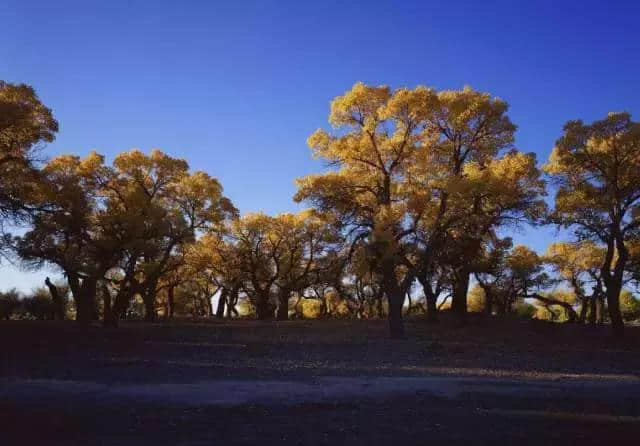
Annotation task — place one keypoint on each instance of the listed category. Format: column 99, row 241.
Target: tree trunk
column 86, row 301
column 600, row 310
column 58, row 303
column 222, row 301
column 592, row 309
column 583, row 310
column 568, row 309
column 396, row 324
column 432, row 301
column 108, row 317
column 488, row 302
column 264, row 310
column 170, row 302
column 395, row 299
column 150, row 314
column 149, row 299
column 459, row 297
column 283, row 305
column 613, row 302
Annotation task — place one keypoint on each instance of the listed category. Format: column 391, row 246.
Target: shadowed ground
column 317, row 382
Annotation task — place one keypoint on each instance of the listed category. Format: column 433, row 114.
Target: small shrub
column 39, row 304
column 9, row 303
column 629, row 306
column 525, row 310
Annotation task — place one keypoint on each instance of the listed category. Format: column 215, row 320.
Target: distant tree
column 416, row 169
column 596, row 169
column 579, row 265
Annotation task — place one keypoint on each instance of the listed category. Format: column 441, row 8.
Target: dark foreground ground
column 317, row 382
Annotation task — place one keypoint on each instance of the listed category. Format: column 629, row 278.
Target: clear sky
column 235, row 87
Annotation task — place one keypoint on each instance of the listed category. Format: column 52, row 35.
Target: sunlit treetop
column 596, row 167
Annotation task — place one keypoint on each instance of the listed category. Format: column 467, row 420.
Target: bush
column 9, row 303
column 629, row 306
column 476, row 299
column 311, row 308
column 525, row 310
column 39, row 305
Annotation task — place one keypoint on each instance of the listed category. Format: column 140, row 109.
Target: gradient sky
column 236, row 87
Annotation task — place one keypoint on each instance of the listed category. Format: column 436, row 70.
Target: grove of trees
column 409, row 218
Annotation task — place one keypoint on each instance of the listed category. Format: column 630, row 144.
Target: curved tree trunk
column 572, row 316
column 58, row 303
column 432, row 301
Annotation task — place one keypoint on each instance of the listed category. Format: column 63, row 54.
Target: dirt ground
column 317, row 382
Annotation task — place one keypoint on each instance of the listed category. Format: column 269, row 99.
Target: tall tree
column 25, row 125
column 382, row 134
column 596, row 169
column 66, row 232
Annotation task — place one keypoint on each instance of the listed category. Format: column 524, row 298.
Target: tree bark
column 283, row 305
column 108, row 316
column 149, row 299
column 584, row 306
column 264, row 310
column 459, row 297
column 86, row 308
column 170, row 301
column 592, row 309
column 58, row 303
column 432, row 300
column 222, row 301
column 569, row 311
column 615, row 315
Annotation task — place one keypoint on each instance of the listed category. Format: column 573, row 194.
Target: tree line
column 420, row 188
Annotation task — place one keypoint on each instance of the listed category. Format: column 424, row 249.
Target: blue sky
column 236, row 87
